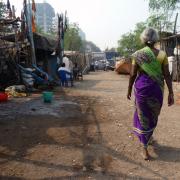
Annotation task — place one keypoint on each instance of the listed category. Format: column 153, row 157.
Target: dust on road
column 84, row 134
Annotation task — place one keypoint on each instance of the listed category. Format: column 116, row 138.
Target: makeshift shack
column 81, row 59
column 44, row 47
column 45, row 56
column 171, row 45
column 11, row 52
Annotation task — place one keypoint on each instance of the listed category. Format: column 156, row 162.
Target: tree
column 110, row 50
column 52, row 34
column 90, row 46
column 126, row 45
column 130, row 42
column 138, row 30
column 162, row 12
column 39, row 29
column 2, row 9
column 72, row 40
column 163, row 5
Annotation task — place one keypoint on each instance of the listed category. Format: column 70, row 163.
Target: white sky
column 103, row 21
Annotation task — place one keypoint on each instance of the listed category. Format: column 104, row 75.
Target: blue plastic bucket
column 47, row 96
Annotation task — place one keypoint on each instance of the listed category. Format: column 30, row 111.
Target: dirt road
column 85, row 134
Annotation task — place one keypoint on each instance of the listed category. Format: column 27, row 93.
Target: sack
column 24, row 75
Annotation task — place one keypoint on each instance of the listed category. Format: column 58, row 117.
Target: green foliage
column 154, row 21
column 72, row 40
column 50, row 34
column 162, row 12
column 39, row 29
column 130, row 42
column 2, row 9
column 163, row 5
column 160, row 22
column 126, row 45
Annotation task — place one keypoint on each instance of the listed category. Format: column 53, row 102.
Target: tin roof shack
column 12, row 51
column 82, row 59
column 171, row 45
column 44, row 48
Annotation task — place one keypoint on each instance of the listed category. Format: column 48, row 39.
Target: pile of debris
column 123, row 66
column 11, row 53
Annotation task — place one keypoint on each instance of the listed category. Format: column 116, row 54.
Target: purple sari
column 148, row 91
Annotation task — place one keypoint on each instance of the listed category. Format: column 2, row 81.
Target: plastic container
column 3, row 97
column 47, row 96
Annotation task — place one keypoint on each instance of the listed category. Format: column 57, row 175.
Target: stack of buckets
column 47, row 96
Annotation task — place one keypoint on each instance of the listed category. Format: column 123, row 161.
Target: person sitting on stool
column 65, row 75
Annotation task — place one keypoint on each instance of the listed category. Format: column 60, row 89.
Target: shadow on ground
column 23, row 134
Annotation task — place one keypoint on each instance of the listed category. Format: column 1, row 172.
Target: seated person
column 65, row 75
column 40, row 74
column 75, row 71
column 68, row 63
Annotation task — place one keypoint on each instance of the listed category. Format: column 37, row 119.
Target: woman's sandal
column 151, row 141
column 145, row 155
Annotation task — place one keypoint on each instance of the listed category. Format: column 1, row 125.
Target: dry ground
column 85, row 133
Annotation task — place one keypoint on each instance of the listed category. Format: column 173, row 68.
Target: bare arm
column 167, row 77
column 132, row 78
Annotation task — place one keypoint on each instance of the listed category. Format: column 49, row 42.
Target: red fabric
column 33, row 6
column 33, row 16
column 3, row 97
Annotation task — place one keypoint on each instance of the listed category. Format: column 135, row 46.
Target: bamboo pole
column 175, row 24
column 31, row 34
column 176, row 45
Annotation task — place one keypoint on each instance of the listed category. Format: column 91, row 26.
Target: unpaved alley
column 85, row 133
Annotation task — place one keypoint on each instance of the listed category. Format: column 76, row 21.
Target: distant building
column 91, row 47
column 44, row 16
column 55, row 23
column 111, row 54
column 88, row 48
column 96, row 56
column 82, row 34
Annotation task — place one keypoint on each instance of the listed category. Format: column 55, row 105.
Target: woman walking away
column 149, row 69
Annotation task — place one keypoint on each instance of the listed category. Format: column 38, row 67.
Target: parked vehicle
column 110, row 64
column 100, row 64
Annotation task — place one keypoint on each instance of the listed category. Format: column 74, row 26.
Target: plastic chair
column 65, row 77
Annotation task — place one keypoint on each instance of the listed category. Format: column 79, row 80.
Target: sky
column 103, row 21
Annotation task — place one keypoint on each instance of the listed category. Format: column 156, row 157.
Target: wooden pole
column 160, row 34
column 177, row 60
column 175, row 24
column 176, row 45
column 31, row 33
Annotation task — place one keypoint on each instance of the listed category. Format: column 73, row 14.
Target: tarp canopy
column 40, row 42
column 173, row 37
column 44, row 43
